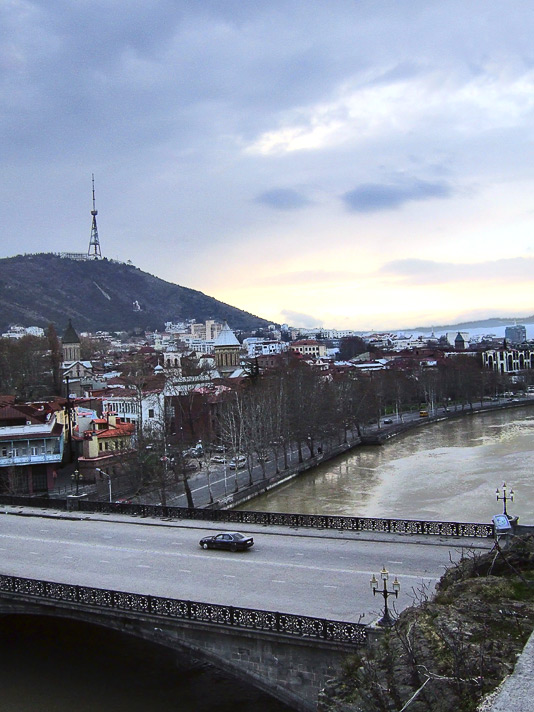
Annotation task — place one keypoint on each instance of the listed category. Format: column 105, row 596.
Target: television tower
column 94, row 252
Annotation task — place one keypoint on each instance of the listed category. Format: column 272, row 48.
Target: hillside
column 481, row 324
column 36, row 290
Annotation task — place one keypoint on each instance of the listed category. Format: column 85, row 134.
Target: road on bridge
column 316, row 573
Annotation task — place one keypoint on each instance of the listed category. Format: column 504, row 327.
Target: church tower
column 70, row 343
column 227, row 349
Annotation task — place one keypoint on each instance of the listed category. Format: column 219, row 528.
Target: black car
column 233, row 541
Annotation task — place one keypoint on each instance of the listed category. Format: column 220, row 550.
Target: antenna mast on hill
column 94, row 243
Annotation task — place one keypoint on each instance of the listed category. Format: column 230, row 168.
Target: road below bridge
column 316, row 573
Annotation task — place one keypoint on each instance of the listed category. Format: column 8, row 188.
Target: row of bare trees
column 299, row 409
column 314, row 411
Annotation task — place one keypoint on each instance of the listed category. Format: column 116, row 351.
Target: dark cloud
column 300, row 320
column 283, row 199
column 374, row 197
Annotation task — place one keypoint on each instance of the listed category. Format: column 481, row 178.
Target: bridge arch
column 291, row 668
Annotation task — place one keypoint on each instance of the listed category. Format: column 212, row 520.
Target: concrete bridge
column 290, row 657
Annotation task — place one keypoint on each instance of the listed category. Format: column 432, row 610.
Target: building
column 106, row 445
column 515, row 335
column 227, row 351
column 309, row 347
column 79, row 373
column 508, row 360
column 31, row 448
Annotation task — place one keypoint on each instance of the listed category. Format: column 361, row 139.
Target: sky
column 350, row 164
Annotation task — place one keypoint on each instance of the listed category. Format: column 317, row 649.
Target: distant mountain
column 482, row 324
column 36, row 290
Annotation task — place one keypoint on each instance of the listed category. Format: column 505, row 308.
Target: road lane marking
column 143, row 566
column 104, row 561
column 277, row 581
column 228, row 576
column 247, row 560
column 327, row 585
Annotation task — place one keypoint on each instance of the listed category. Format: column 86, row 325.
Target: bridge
column 290, row 657
column 125, row 568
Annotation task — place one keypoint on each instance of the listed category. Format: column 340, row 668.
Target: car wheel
column 233, row 547
column 204, row 545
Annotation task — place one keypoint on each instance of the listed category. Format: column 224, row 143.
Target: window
column 151, row 412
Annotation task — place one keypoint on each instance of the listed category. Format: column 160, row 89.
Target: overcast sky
column 347, row 163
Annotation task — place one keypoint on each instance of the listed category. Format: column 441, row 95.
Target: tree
column 56, row 357
column 351, row 346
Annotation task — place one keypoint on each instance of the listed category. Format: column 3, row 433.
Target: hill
column 39, row 289
column 482, row 324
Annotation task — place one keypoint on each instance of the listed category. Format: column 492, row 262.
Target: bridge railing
column 283, row 519
column 289, row 624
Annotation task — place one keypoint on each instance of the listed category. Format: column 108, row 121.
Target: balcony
column 42, row 458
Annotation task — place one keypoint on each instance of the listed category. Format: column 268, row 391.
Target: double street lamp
column 384, row 575
column 506, row 497
column 76, row 476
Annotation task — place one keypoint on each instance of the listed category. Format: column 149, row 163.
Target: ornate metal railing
column 175, row 609
column 282, row 519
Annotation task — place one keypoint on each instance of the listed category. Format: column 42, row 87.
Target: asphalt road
column 310, row 573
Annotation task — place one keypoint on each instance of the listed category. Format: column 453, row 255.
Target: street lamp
column 76, row 477
column 506, row 497
column 108, row 478
column 384, row 575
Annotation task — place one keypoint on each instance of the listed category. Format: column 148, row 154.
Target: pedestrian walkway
column 516, row 693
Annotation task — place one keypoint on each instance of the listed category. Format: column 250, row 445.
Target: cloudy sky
column 345, row 163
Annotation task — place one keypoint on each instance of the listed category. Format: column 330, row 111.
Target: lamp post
column 76, row 477
column 384, row 575
column 506, row 497
column 108, row 478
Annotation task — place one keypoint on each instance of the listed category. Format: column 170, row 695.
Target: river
column 447, row 470
column 51, row 665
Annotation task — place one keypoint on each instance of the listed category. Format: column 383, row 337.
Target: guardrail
column 284, row 519
column 286, row 624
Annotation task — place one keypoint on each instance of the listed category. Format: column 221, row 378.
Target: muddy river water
column 447, row 470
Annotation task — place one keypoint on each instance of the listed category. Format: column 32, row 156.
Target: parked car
column 387, row 421
column 232, row 541
column 218, row 458
column 238, row 462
